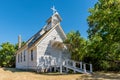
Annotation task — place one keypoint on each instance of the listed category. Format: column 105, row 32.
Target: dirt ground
column 14, row 74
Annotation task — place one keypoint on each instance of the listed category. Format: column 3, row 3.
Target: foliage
column 102, row 48
column 104, row 31
column 7, row 55
column 77, row 45
column 22, row 44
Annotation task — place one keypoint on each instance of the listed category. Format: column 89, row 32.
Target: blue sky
column 26, row 17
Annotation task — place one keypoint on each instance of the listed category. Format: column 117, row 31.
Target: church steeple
column 53, row 20
column 53, row 9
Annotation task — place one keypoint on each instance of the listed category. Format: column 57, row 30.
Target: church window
column 54, row 38
column 21, row 57
column 18, row 58
column 31, row 55
column 24, row 55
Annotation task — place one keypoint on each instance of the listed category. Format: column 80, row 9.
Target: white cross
column 54, row 10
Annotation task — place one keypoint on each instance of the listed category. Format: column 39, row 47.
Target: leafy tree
column 7, row 55
column 76, row 45
column 104, row 31
column 22, row 44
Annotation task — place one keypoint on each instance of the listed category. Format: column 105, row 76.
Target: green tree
column 7, row 55
column 76, row 45
column 22, row 44
column 104, row 31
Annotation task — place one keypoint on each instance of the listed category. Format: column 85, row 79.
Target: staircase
column 46, row 62
column 73, row 65
column 40, row 67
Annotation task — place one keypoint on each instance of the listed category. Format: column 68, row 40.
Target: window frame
column 21, row 57
column 18, row 58
column 24, row 58
column 31, row 55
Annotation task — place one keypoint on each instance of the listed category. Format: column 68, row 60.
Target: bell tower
column 53, row 20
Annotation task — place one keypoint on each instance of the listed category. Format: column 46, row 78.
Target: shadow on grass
column 14, row 70
column 57, row 74
column 101, row 76
column 34, row 72
column 94, row 76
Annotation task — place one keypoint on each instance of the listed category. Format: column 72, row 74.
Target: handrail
column 71, row 64
column 79, row 62
column 82, row 65
column 46, row 61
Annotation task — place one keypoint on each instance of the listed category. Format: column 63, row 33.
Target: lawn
column 14, row 74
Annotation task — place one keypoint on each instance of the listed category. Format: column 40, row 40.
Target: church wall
column 27, row 64
column 21, row 63
column 32, row 64
column 44, row 47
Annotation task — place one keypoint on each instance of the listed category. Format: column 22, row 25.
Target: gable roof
column 57, row 15
column 41, row 34
column 45, row 35
column 36, row 38
column 33, row 39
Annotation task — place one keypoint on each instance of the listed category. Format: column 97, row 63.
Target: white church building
column 40, row 51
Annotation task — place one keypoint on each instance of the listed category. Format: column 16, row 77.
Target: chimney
column 19, row 41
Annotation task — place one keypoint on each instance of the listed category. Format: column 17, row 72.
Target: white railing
column 40, row 67
column 46, row 62
column 80, row 66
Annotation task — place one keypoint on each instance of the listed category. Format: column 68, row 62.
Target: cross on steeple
column 53, row 9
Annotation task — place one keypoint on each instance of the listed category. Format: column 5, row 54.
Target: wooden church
column 30, row 55
column 44, row 51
